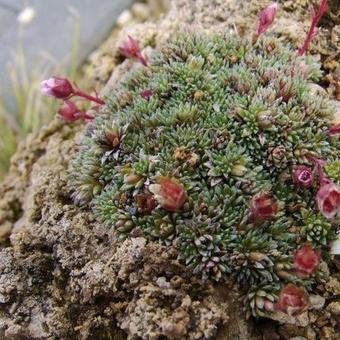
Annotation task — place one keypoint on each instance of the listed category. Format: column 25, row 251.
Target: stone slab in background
column 51, row 30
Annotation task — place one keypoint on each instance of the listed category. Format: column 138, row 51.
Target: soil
column 65, row 276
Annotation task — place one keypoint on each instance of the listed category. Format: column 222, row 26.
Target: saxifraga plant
column 218, row 147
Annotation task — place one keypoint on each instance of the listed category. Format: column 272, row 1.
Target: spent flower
column 263, row 206
column 169, row 193
column 306, row 260
column 293, row 300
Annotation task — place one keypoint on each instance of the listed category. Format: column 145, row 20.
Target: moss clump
column 227, row 121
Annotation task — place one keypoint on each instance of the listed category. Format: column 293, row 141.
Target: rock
column 158, row 6
column 310, row 334
column 333, row 285
column 327, row 333
column 336, row 119
column 316, row 302
column 141, row 11
column 334, row 308
column 288, row 331
column 162, row 282
column 125, row 18
column 300, row 320
column 316, row 89
column 5, row 231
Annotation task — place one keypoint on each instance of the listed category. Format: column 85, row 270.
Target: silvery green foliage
column 228, row 120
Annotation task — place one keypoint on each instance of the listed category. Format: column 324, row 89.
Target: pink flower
column 292, row 300
column 266, row 18
column 62, row 88
column 303, row 176
column 328, row 199
column 169, row 193
column 306, row 260
column 313, row 31
column 131, row 49
column 57, row 87
column 147, row 94
column 263, row 206
column 70, row 112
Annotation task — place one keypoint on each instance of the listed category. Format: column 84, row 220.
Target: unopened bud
column 264, row 119
column 238, row 170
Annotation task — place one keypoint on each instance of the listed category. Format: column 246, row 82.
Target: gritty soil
column 65, row 276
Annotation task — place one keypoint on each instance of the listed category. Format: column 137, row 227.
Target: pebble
column 334, row 308
column 125, row 18
column 141, row 11
column 4, row 298
column 335, row 246
column 163, row 283
column 315, row 89
column 5, row 231
column 310, row 334
column 317, row 301
column 300, row 320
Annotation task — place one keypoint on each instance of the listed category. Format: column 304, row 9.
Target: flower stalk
column 313, row 31
column 62, row 88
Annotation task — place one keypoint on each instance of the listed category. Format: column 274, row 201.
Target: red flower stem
column 315, row 20
column 88, row 97
column 87, row 117
column 319, row 163
column 334, row 130
column 142, row 59
column 322, row 176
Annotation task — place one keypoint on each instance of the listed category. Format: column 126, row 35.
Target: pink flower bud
column 268, row 306
column 303, row 176
column 70, row 112
column 57, row 87
column 263, row 206
column 131, row 49
column 328, row 199
column 306, row 260
column 147, row 94
column 266, row 18
column 293, row 300
column 169, row 193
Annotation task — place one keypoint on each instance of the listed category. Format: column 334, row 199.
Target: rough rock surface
column 63, row 275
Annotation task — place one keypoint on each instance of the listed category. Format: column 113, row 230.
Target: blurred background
column 69, row 38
